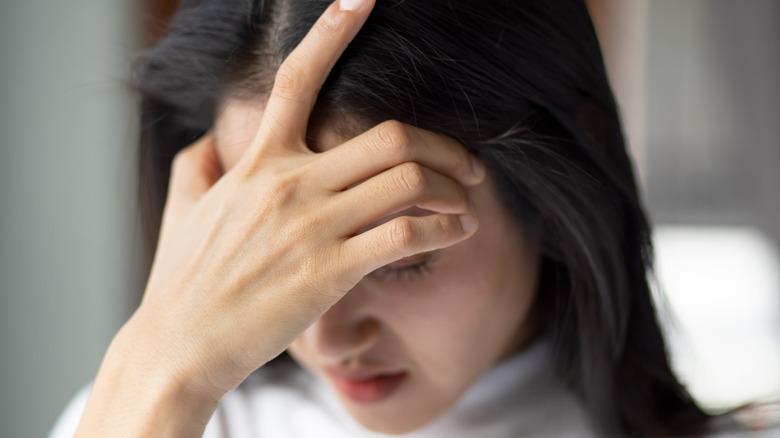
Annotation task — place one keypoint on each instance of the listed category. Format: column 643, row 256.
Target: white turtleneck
column 517, row 397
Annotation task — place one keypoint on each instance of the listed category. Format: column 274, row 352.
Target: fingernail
column 477, row 166
column 349, row 5
column 469, row 223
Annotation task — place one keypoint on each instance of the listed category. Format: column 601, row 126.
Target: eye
column 405, row 270
column 403, row 273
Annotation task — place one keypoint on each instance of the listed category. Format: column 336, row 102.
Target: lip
column 367, row 385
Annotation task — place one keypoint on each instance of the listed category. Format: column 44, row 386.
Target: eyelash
column 404, row 273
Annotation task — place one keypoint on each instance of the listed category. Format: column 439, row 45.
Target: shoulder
column 254, row 409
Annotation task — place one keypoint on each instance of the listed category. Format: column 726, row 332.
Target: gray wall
column 712, row 179
column 66, row 201
column 713, row 106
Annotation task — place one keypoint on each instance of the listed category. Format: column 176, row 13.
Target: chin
column 390, row 425
column 395, row 418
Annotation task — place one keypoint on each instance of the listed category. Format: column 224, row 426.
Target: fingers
column 403, row 237
column 392, row 143
column 397, row 189
column 302, row 74
column 195, row 169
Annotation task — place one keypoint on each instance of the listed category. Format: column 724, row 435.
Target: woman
column 332, row 203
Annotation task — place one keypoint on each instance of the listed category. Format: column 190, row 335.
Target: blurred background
column 698, row 85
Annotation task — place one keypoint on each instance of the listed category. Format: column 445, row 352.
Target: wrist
column 137, row 394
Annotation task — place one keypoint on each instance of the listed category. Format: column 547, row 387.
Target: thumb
column 195, row 169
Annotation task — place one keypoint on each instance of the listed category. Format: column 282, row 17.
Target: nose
column 347, row 330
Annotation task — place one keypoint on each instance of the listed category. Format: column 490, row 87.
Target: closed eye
column 402, row 274
column 407, row 269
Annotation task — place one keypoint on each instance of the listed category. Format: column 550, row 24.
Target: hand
column 248, row 260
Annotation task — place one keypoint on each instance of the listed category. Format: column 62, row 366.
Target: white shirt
column 517, row 397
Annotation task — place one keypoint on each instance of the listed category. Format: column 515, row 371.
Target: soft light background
column 698, row 82
column 67, row 265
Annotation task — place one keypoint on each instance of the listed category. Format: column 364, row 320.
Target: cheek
column 479, row 304
column 466, row 307
column 298, row 351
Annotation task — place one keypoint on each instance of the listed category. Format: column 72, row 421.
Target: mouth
column 367, row 386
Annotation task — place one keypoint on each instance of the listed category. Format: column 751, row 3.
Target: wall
column 711, row 157
column 66, row 201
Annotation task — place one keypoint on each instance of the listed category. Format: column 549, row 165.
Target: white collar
column 518, row 396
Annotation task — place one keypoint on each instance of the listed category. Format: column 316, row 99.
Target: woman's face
column 403, row 345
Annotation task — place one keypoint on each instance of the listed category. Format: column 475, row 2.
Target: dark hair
column 522, row 84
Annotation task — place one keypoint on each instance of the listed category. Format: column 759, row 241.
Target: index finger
column 301, row 75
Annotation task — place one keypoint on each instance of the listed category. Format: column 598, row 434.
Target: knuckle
column 464, row 158
column 401, row 236
column 274, row 175
column 289, row 81
column 182, row 160
column 394, row 137
column 245, row 170
column 330, row 27
column 282, row 188
column 411, row 177
column 313, row 274
column 443, row 226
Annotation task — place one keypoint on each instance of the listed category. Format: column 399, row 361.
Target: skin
column 444, row 325
column 239, row 275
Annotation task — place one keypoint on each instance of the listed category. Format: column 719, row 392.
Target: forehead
column 239, row 119
column 234, row 128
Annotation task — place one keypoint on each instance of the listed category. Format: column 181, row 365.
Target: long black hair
column 522, row 84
